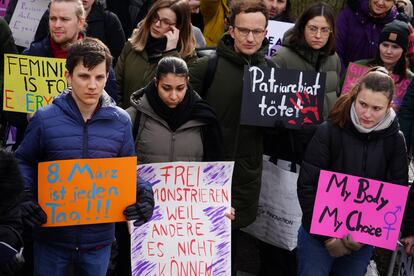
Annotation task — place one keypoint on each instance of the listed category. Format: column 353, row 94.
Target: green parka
column 289, row 57
column 242, row 144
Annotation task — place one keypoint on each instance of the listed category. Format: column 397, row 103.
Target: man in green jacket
column 244, row 44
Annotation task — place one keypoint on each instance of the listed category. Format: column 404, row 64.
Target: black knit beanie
column 397, row 31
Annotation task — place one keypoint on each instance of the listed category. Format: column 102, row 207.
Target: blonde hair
column 79, row 9
column 181, row 8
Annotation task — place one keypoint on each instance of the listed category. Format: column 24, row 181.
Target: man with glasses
column 244, row 44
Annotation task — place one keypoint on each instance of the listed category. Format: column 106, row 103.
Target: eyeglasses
column 164, row 22
column 246, row 31
column 325, row 31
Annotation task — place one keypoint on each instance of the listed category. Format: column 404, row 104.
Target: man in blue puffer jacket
column 82, row 122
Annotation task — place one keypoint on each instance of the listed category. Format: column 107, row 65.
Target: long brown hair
column 181, row 8
column 377, row 79
column 314, row 10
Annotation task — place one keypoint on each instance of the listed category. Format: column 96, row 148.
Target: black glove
column 32, row 214
column 142, row 210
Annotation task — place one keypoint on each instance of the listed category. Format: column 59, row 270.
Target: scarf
column 175, row 117
column 58, row 51
column 383, row 124
column 191, row 108
column 155, row 47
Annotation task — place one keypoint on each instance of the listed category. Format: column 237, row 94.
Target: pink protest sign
column 370, row 210
column 355, row 71
column 3, row 7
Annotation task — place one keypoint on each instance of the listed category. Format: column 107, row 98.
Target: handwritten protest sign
column 188, row 233
column 291, row 96
column 370, row 210
column 86, row 191
column 355, row 71
column 275, row 32
column 31, row 82
column 25, row 19
column 3, row 7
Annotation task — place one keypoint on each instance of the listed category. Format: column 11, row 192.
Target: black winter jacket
column 356, row 154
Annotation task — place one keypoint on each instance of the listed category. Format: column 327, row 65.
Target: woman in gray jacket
column 171, row 123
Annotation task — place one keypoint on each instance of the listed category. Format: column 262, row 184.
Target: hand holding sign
column 32, row 214
column 336, row 248
column 351, row 244
column 142, row 210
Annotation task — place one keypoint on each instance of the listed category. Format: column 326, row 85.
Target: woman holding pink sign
column 360, row 138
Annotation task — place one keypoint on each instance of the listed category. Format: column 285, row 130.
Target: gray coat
column 156, row 142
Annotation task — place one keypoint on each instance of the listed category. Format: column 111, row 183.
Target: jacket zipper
column 172, row 147
column 85, row 139
column 365, row 153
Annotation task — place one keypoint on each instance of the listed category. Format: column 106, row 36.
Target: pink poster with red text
column 370, row 210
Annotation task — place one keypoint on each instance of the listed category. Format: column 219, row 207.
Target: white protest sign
column 25, row 20
column 188, row 233
column 275, row 32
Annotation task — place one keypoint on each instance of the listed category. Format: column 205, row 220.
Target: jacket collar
column 66, row 102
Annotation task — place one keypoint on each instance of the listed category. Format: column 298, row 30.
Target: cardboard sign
column 275, row 33
column 370, row 210
column 86, row 191
column 290, row 96
column 3, row 7
column 188, row 233
column 355, row 71
column 25, row 19
column 32, row 82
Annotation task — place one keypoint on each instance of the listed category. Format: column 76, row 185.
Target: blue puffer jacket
column 58, row 132
column 42, row 48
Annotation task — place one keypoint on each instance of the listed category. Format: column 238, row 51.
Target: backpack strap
column 136, row 124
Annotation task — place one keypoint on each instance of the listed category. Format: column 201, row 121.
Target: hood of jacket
column 225, row 49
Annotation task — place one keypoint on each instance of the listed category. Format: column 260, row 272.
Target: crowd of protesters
column 140, row 85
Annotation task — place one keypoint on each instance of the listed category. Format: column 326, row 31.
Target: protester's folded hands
column 336, row 247
column 32, row 214
column 351, row 244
